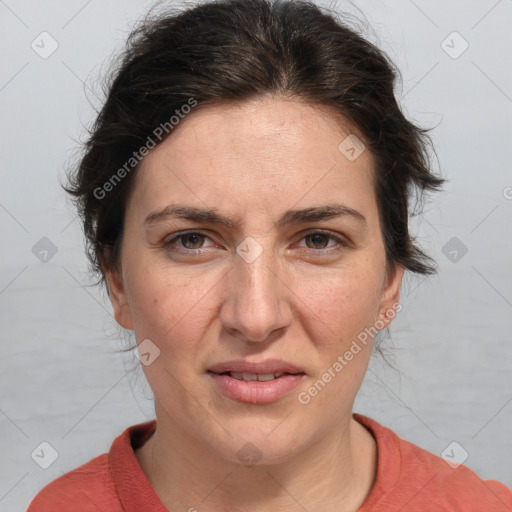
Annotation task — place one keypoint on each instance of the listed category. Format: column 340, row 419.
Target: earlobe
column 119, row 299
column 390, row 298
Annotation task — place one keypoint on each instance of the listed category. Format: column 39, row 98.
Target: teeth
column 254, row 376
column 266, row 376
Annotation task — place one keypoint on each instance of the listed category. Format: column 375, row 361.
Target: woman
column 245, row 194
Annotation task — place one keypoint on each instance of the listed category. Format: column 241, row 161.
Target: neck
column 336, row 473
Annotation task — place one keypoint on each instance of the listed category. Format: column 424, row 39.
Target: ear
column 118, row 298
column 390, row 296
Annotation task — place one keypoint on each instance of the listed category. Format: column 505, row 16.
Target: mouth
column 255, row 383
column 262, row 377
column 268, row 369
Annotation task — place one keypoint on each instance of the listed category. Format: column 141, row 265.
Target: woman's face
column 253, row 267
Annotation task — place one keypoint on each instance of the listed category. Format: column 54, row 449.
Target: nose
column 257, row 305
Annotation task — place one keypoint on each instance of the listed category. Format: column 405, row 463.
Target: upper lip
column 263, row 367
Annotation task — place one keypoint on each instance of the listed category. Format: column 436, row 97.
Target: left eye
column 320, row 241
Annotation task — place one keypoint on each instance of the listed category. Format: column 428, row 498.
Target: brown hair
column 234, row 50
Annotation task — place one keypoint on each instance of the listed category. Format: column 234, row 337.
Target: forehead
column 255, row 156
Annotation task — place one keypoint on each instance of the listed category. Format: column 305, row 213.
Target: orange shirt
column 408, row 479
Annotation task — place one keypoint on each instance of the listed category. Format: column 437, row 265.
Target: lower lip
column 254, row 391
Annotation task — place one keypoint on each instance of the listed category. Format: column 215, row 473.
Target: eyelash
column 342, row 244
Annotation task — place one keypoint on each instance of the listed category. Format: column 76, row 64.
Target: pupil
column 317, row 238
column 192, row 239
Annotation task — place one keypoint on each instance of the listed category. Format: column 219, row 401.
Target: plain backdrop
column 63, row 380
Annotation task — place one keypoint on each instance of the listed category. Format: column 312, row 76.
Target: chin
column 264, row 442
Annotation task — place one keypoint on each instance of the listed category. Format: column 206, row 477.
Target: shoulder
column 88, row 488
column 420, row 480
column 104, row 483
column 449, row 485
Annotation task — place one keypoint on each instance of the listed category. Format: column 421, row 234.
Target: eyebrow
column 298, row 216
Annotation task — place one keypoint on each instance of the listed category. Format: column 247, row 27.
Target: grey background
column 61, row 379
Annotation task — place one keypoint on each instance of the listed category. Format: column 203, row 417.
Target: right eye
column 190, row 242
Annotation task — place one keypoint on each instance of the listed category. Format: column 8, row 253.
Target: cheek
column 343, row 313
column 340, row 304
column 168, row 308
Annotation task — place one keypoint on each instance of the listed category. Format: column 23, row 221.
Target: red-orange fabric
column 408, row 479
